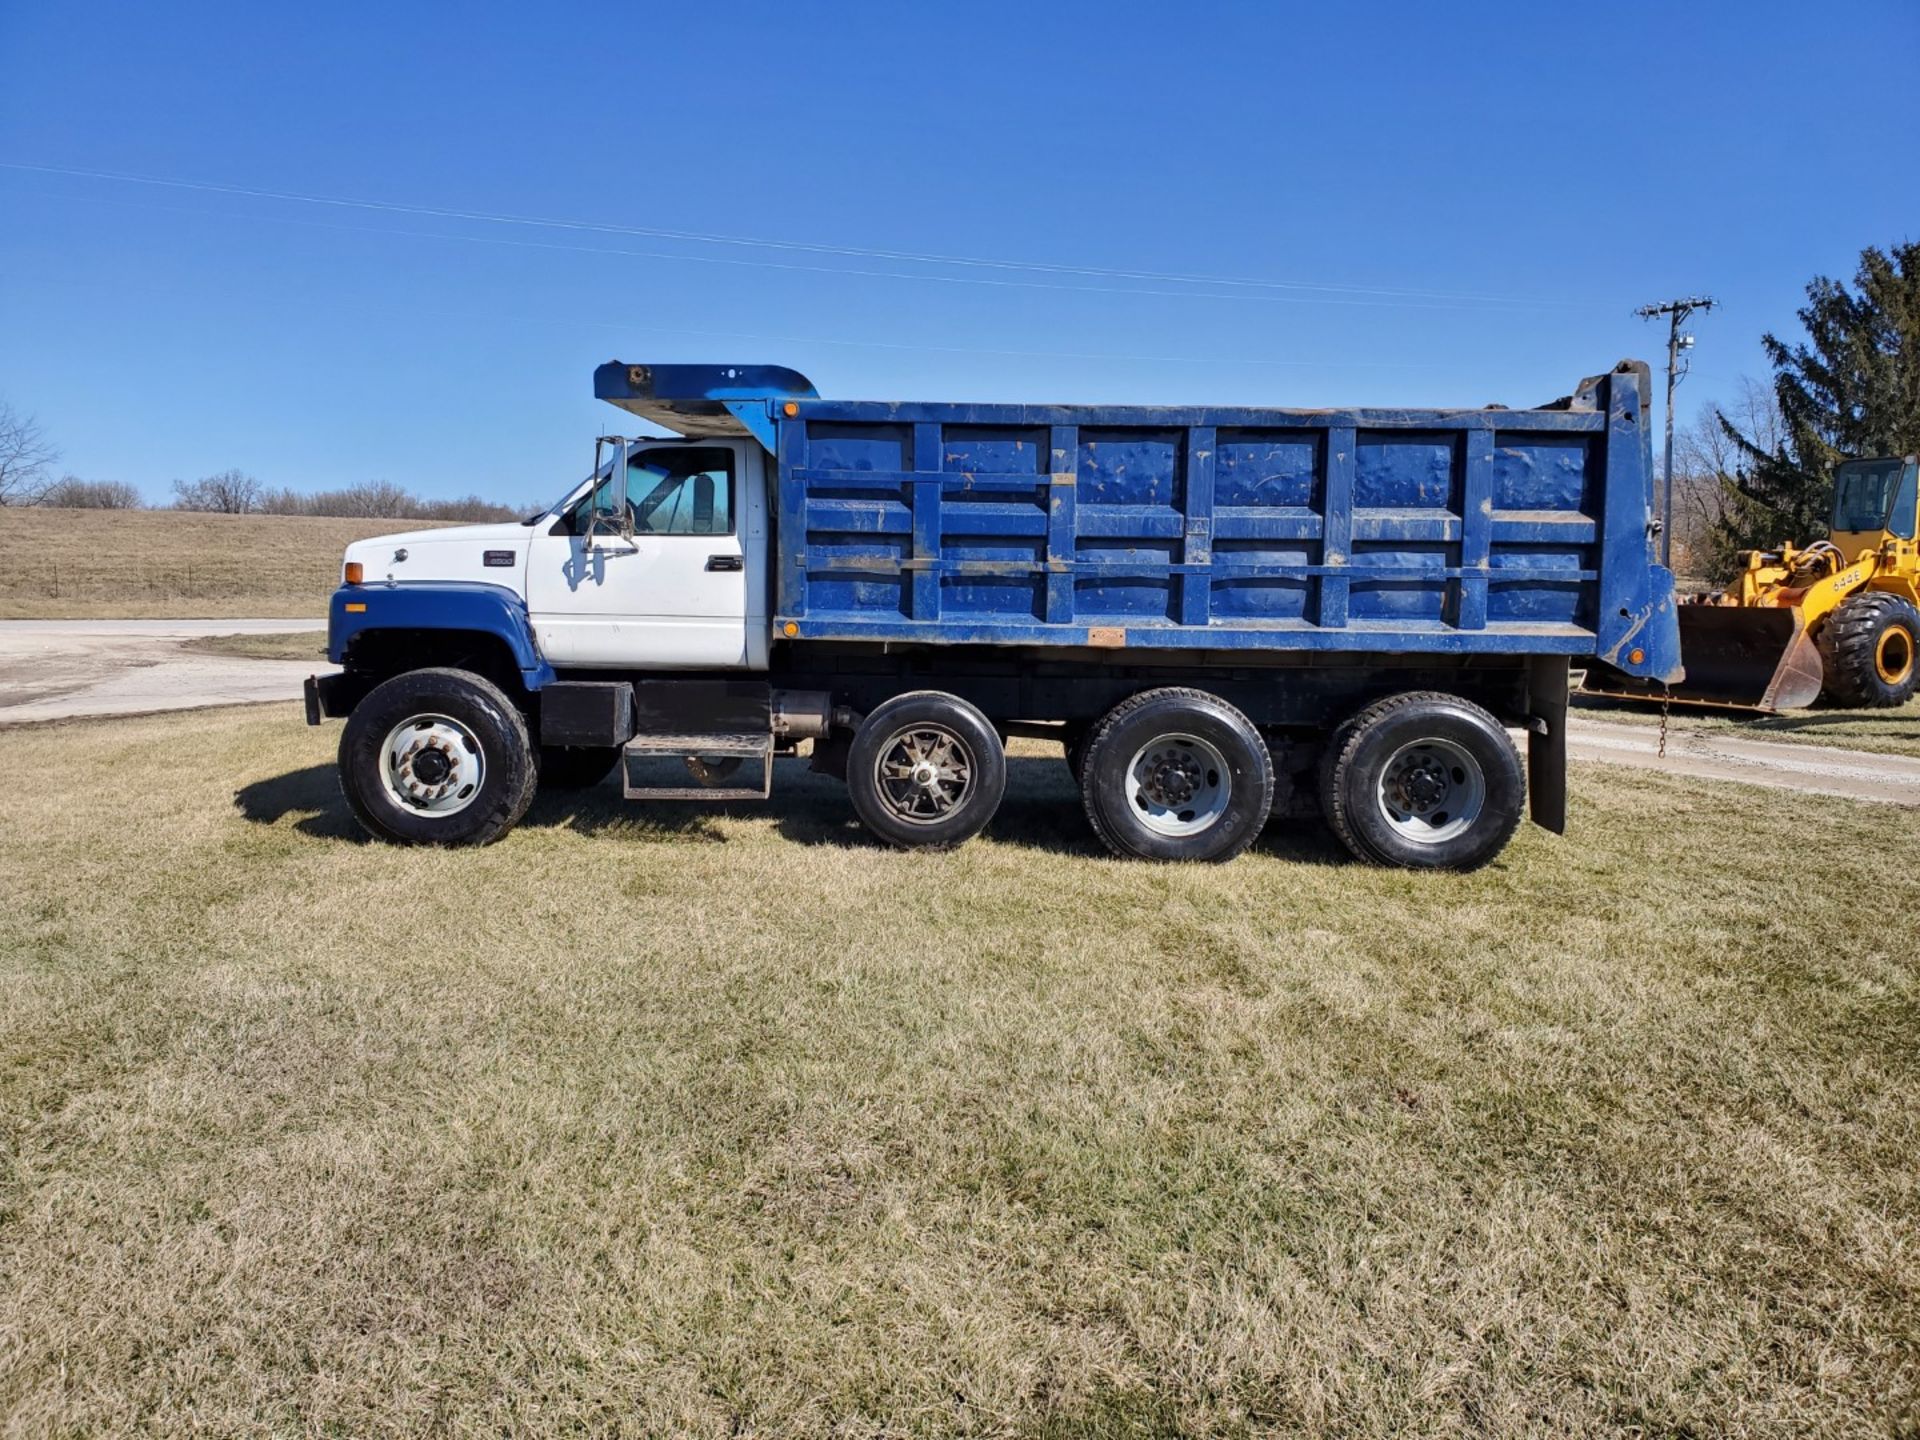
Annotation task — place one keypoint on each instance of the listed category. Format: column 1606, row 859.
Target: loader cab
column 1875, row 501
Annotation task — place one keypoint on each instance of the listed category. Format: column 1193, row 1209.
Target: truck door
column 680, row 593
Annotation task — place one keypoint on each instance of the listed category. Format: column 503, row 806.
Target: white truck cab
column 666, row 572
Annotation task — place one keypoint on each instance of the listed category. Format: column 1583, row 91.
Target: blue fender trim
column 437, row 605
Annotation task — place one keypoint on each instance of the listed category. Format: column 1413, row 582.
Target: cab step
column 711, row 750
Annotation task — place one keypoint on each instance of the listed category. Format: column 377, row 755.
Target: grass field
column 1885, row 732
column 656, row 1121
column 171, row 564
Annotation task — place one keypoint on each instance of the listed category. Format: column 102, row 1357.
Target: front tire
column 1867, row 652
column 437, row 757
column 926, row 771
column 1424, row 781
column 1176, row 774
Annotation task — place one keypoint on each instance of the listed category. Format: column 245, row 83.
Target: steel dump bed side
column 1371, row 531
column 1452, row 531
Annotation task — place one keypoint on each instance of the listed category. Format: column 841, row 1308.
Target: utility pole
column 1676, row 312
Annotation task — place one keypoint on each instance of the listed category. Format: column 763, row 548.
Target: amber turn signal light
column 354, row 571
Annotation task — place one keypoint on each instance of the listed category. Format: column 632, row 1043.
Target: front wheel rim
column 1179, row 785
column 1431, row 791
column 432, row 765
column 1893, row 656
column 924, row 773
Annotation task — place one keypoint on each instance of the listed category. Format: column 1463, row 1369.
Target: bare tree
column 1707, row 462
column 231, row 492
column 381, row 500
column 284, row 501
column 471, row 508
column 25, row 457
column 371, row 499
column 70, row 492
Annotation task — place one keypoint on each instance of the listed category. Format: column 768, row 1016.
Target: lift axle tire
column 437, row 757
column 1867, row 652
column 1176, row 774
column 1424, row 781
column 576, row 767
column 926, row 771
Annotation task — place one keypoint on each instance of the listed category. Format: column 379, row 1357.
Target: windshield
column 1863, row 494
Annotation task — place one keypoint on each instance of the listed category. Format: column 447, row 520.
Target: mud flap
column 332, row 697
column 1547, row 743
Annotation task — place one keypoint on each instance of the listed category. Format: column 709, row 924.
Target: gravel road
column 64, row 669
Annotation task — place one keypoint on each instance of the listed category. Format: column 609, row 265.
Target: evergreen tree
column 1852, row 389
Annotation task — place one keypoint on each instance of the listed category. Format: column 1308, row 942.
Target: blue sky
column 1443, row 205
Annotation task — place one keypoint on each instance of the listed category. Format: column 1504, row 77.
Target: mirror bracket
column 616, row 519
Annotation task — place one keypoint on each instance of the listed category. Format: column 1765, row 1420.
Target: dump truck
column 1220, row 614
column 1836, row 618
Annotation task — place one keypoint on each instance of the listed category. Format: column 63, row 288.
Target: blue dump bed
column 1464, row 532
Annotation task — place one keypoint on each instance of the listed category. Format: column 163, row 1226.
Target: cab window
column 671, row 492
column 1863, row 494
column 1906, row 502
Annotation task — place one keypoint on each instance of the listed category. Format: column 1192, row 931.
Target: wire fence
column 199, row 579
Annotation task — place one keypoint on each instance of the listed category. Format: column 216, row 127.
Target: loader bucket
column 1744, row 657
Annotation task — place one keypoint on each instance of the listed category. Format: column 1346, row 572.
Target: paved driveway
column 60, row 669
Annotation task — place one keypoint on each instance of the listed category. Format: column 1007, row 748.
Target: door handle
column 726, row 562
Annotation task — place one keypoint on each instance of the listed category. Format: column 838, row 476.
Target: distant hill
column 172, row 564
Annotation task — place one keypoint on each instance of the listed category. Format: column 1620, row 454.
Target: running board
column 701, row 750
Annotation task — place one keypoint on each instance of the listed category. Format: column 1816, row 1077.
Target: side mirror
column 611, row 516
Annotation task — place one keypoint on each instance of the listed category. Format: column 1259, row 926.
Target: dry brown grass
column 665, row 1120
column 171, row 564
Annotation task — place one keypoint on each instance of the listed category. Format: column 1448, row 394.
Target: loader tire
column 1867, row 652
column 1423, row 781
column 437, row 757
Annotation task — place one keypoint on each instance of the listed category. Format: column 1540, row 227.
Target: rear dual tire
column 1423, row 781
column 1176, row 774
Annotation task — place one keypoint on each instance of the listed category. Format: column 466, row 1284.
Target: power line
column 648, row 328
column 793, row 266
column 850, row 251
column 1676, row 312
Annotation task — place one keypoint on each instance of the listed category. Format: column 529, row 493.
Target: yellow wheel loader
column 1840, row 617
